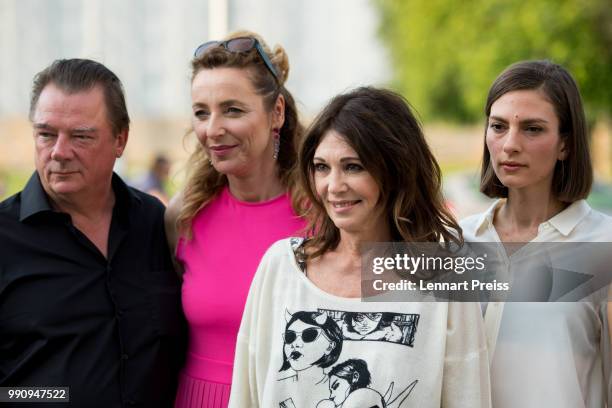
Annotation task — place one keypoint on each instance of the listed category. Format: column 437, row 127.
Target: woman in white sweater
column 537, row 163
column 304, row 340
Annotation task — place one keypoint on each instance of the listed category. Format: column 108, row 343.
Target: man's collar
column 125, row 198
column 34, row 200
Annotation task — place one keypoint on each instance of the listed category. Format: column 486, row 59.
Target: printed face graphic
column 339, row 389
column 364, row 323
column 305, row 344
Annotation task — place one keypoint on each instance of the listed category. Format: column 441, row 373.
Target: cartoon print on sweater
column 288, row 403
column 397, row 328
column 312, row 344
column 312, row 341
column 349, row 387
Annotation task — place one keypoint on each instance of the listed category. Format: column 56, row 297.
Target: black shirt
column 110, row 329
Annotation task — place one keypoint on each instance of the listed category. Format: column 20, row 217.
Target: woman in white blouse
column 536, row 161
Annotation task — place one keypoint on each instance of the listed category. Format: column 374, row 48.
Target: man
column 88, row 296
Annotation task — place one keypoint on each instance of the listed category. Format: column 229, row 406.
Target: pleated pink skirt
column 196, row 393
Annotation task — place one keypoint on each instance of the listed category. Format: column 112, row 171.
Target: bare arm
column 172, row 234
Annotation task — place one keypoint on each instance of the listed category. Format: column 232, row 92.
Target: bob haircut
column 380, row 126
column 331, row 331
column 573, row 177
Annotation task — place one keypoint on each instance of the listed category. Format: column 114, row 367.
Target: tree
column 446, row 53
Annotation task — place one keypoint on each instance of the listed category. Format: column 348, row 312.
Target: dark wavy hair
column 380, row 126
column 573, row 176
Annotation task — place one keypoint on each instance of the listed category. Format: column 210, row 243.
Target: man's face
column 75, row 145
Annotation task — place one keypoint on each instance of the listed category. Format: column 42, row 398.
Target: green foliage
column 446, row 53
column 11, row 182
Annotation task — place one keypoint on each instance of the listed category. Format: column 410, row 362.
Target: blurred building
column 332, row 45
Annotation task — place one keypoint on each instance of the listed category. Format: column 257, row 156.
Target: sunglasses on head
column 240, row 44
column 308, row 335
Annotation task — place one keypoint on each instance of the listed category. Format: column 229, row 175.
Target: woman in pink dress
column 236, row 203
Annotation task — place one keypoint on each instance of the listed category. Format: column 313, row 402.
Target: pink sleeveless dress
column 229, row 239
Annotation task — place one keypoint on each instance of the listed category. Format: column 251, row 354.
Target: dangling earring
column 276, row 137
